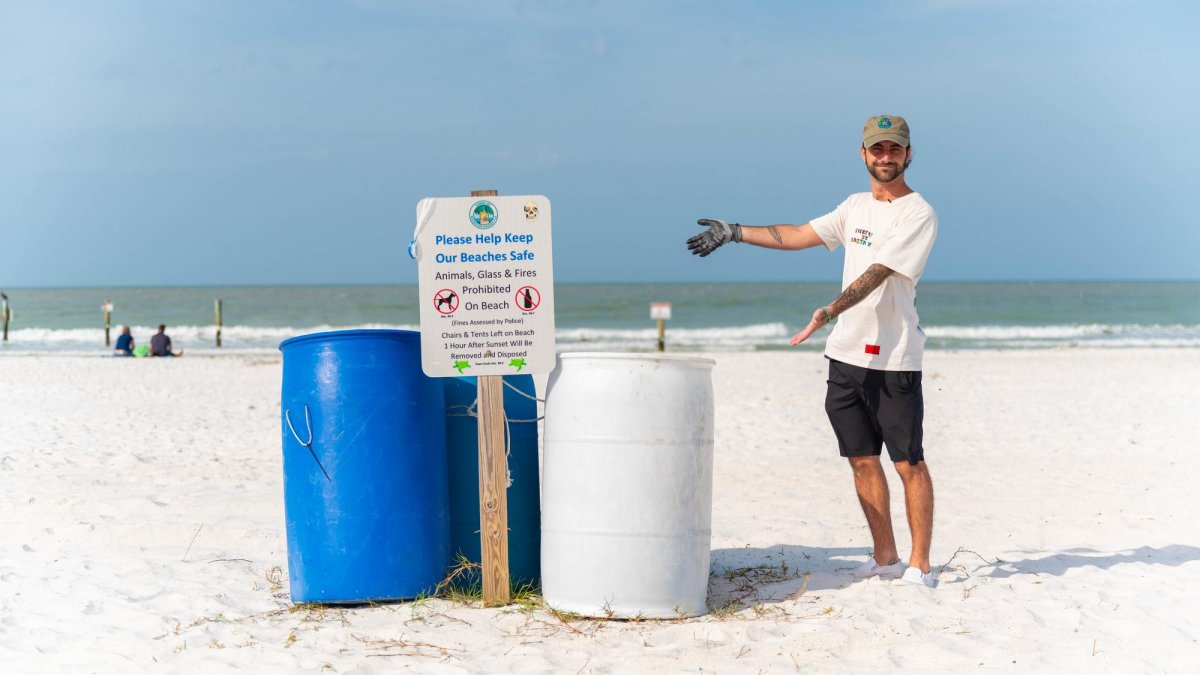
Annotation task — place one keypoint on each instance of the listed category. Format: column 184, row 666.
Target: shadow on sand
column 744, row 577
column 741, row 578
column 1056, row 564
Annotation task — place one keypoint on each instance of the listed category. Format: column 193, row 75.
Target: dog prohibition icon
column 445, row 301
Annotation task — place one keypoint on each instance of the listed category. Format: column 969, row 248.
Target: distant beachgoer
column 160, row 344
column 124, row 346
column 874, row 388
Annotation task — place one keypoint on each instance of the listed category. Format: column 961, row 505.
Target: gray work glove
column 718, row 234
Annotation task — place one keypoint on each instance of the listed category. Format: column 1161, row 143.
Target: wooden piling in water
column 217, row 312
column 5, row 314
column 107, row 308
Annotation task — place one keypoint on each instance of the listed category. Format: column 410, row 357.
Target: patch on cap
column 885, row 128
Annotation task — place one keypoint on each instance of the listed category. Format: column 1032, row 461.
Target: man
column 874, row 388
column 160, row 344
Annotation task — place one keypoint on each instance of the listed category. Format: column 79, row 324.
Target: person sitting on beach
column 160, row 344
column 124, row 346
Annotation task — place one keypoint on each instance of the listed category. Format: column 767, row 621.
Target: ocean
column 615, row 317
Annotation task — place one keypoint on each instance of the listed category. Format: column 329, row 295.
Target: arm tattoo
column 860, row 288
column 775, row 234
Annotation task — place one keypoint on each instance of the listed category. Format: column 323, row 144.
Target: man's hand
column 819, row 319
column 717, row 235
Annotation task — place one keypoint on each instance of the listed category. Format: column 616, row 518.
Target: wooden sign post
column 493, row 482
column 217, row 312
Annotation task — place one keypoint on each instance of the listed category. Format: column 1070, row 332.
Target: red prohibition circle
column 528, row 298
column 445, row 301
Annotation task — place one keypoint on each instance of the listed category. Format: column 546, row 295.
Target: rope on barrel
column 532, row 398
column 472, row 411
column 308, row 423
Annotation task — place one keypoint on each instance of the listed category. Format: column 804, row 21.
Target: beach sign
column 486, row 285
column 661, row 312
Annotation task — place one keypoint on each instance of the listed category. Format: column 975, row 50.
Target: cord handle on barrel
column 308, row 444
column 425, row 209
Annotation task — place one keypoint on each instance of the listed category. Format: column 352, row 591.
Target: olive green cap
column 885, row 128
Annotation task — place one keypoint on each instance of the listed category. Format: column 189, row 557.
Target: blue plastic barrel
column 364, row 467
column 524, row 499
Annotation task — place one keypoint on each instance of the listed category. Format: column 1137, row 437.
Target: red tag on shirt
column 873, row 349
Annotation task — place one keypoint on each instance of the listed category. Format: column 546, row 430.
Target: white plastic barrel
column 627, row 485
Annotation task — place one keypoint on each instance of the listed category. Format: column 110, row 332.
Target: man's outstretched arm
column 851, row 296
column 719, row 233
column 785, row 237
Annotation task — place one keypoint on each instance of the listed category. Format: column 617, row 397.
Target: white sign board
column 486, row 285
column 660, row 310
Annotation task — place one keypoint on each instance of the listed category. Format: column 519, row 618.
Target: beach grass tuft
column 736, row 590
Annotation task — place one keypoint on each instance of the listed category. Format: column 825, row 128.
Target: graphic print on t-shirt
column 862, row 236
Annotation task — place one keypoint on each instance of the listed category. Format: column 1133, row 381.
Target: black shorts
column 869, row 408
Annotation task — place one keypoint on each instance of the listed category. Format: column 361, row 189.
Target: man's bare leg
column 875, row 499
column 918, row 502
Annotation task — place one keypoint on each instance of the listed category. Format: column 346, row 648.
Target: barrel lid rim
column 351, row 333
column 639, row 356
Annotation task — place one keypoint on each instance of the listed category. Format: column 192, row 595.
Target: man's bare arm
column 785, row 237
column 860, row 288
column 857, row 290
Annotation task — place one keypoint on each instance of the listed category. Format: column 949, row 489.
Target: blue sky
column 235, row 142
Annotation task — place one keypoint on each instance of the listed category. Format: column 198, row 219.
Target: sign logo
column 483, row 214
column 885, row 123
column 530, row 211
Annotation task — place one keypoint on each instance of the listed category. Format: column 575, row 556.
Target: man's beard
column 885, row 175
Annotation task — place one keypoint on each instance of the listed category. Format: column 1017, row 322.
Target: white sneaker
column 915, row 576
column 873, row 569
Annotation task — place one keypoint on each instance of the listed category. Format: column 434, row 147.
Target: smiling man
column 874, row 395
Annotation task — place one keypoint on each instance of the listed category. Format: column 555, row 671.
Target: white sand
column 142, row 530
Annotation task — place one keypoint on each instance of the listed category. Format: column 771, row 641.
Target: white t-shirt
column 881, row 332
